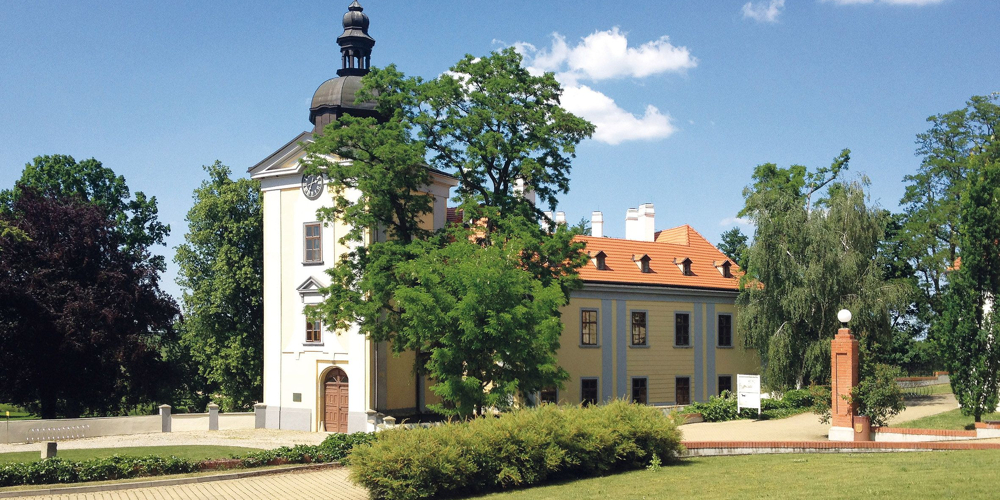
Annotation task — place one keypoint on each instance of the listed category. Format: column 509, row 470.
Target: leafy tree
column 220, row 267
column 135, row 219
column 968, row 329
column 932, row 202
column 815, row 251
column 734, row 245
column 80, row 317
column 495, row 126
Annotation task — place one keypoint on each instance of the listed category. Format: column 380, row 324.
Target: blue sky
column 693, row 94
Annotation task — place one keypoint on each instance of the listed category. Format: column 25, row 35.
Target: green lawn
column 929, row 390
column 187, row 452
column 952, row 420
column 15, row 413
column 952, row 474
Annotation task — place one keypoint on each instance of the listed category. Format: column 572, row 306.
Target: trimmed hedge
column 516, row 449
column 56, row 470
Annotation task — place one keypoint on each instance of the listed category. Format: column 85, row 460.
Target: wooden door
column 335, row 401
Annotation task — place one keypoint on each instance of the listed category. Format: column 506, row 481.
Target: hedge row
column 56, row 470
column 722, row 408
column 516, row 449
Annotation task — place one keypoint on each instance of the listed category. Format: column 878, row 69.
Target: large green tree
column 135, row 217
column 815, row 251
column 81, row 317
column 734, row 245
column 501, row 131
column 932, row 202
column 967, row 332
column 220, row 267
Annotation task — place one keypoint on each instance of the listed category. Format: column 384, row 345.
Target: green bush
column 520, row 448
column 334, row 448
column 799, row 398
column 57, row 470
column 722, row 408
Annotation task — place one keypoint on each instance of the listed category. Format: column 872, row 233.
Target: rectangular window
column 314, row 331
column 588, row 391
column 548, row 395
column 313, row 243
column 725, row 330
column 682, row 329
column 725, row 383
column 639, row 390
column 588, row 327
column 683, row 392
column 638, row 328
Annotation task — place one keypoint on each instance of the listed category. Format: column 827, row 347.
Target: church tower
column 336, row 96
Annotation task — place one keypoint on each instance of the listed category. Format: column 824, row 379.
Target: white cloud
column 604, row 55
column 765, row 12
column 735, row 221
column 890, row 2
column 614, row 124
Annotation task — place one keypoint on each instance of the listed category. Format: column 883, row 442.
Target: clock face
column 312, row 186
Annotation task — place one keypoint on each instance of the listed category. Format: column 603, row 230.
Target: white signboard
column 748, row 392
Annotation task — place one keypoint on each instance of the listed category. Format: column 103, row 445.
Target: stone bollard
column 213, row 417
column 390, row 422
column 259, row 416
column 49, row 450
column 164, row 418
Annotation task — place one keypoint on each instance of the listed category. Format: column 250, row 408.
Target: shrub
column 878, row 395
column 334, row 448
column 799, row 398
column 717, row 408
column 57, row 470
column 520, row 448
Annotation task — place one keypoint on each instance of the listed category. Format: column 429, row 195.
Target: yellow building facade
column 655, row 321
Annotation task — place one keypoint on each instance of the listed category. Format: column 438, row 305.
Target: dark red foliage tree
column 81, row 317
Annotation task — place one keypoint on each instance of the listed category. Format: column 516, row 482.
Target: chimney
column 561, row 218
column 647, row 224
column 597, row 224
column 519, row 191
column 632, row 231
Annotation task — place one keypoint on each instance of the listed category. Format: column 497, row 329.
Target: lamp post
column 844, row 375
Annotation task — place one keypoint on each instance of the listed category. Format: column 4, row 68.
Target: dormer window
column 643, row 262
column 599, row 261
column 724, row 267
column 684, row 265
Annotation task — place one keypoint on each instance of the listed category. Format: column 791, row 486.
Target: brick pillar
column 843, row 377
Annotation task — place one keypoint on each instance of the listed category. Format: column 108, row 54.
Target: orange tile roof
column 677, row 243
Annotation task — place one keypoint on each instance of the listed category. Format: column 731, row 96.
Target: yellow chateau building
column 654, row 321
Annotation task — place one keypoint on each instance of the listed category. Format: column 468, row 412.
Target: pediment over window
column 309, row 286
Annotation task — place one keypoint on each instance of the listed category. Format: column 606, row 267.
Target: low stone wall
column 31, row 431
column 721, row 448
column 905, row 435
column 181, row 422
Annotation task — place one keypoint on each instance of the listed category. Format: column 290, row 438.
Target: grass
column 950, row 420
column 951, row 474
column 186, row 452
column 16, row 413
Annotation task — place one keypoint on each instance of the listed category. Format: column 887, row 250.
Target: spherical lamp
column 844, row 316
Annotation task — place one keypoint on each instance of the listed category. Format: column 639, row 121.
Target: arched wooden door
column 335, row 401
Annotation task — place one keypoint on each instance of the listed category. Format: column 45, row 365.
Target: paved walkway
column 250, row 438
column 803, row 427
column 326, row 484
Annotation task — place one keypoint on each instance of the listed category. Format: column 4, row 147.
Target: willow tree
column 815, row 251
column 479, row 302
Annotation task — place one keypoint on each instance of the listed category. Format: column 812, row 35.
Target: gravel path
column 249, row 438
column 803, row 427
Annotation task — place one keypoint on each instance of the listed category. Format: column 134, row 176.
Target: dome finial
column 355, row 43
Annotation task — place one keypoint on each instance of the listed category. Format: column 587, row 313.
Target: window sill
column 723, row 347
column 639, row 346
column 313, row 344
column 682, row 346
column 317, row 263
column 590, row 346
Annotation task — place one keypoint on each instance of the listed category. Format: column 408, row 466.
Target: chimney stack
column 520, row 191
column 647, row 223
column 632, row 230
column 561, row 217
column 597, row 224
